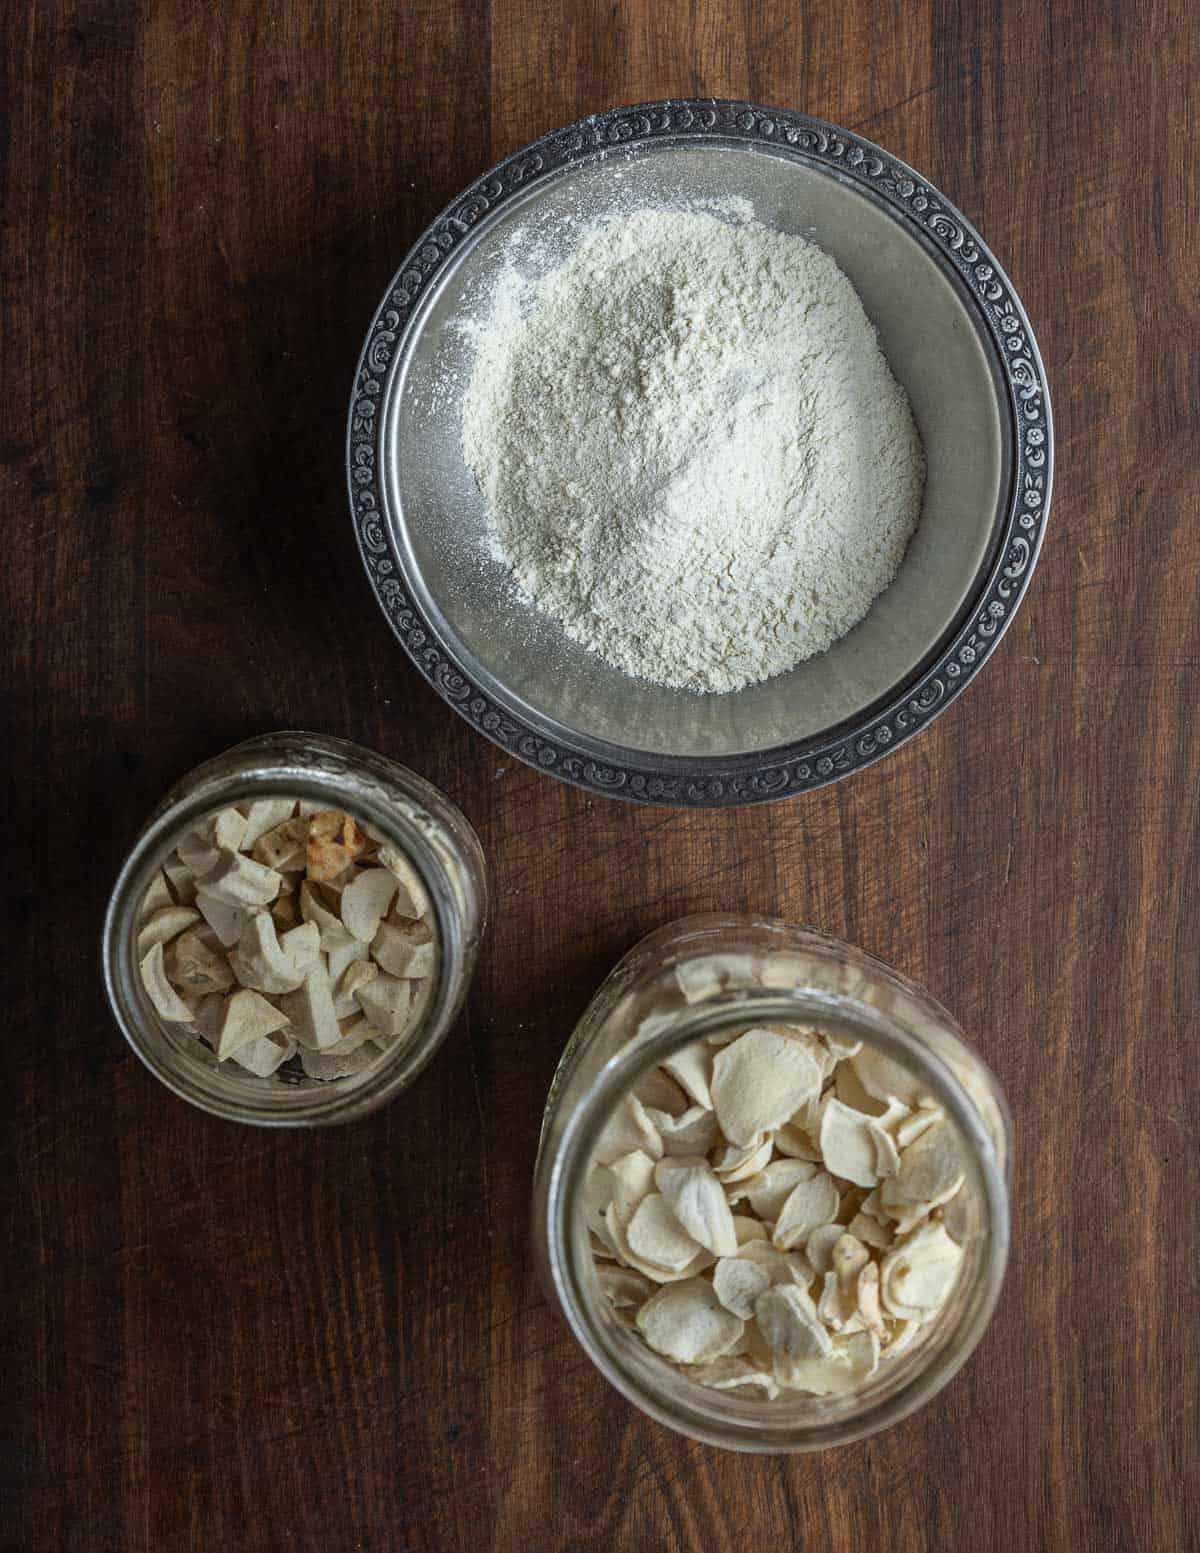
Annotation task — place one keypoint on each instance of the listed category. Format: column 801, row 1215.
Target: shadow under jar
column 743, row 970
column 401, row 809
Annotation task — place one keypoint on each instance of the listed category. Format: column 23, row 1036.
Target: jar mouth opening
column 238, row 1096
column 742, row 1423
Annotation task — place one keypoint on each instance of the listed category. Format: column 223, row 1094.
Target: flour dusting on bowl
column 694, row 454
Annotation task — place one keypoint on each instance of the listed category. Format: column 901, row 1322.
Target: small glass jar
column 738, row 970
column 399, row 807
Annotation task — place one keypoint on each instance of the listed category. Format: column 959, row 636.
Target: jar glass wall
column 704, row 975
column 395, row 804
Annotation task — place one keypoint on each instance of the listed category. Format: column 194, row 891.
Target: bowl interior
column 520, row 657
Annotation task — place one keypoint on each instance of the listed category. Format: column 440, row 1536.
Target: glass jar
column 738, row 970
column 399, row 807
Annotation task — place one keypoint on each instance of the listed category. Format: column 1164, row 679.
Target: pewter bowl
column 955, row 335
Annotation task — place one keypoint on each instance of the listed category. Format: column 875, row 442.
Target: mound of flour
column 693, row 452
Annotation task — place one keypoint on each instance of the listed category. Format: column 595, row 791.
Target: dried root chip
column 228, row 830
column 760, row 1082
column 836, row 1307
column 850, row 1092
column 264, row 1054
column 850, row 1256
column 737, row 1283
column 809, row 1205
column 624, row 1287
column 849, row 1144
column 420, row 999
column 225, row 920
column 285, row 848
column 731, row 1374
column 207, row 1018
column 412, row 898
column 334, row 841
column 899, row 1335
column 262, row 815
column 163, row 926
column 332, row 1063
column 779, row 1266
column 810, row 1040
column 355, row 1033
column 658, row 1091
column 310, row 1010
column 313, row 908
column 867, row 1300
column 167, row 1002
column 738, row 1162
column 157, row 896
column 767, row 1191
column 931, row 1171
column 595, row 1203
column 388, row 1004
column 747, row 1229
column 248, row 1016
column 240, row 881
column 692, row 1069
column 957, row 1216
column 655, row 1236
column 628, row 1128
column 285, row 908
column 870, row 1231
column 818, row 1247
column 694, row 1132
column 365, row 901
column 916, row 1277
column 615, row 1227
column 795, row 1142
column 357, row 975
column 915, row 1123
column 893, row 1113
column 302, row 945
column 884, row 1078
column 343, row 955
column 686, row 1322
column 260, row 962
column 850, row 1361
column 403, row 949
column 852, row 1199
column 197, row 852
column 705, row 977
column 632, row 1179
column 197, row 964
column 788, row 1320
column 182, row 880
column 698, row 1202
column 623, row 1184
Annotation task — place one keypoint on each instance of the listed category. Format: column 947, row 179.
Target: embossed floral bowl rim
column 954, row 332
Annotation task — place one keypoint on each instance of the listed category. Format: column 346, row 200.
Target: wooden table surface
column 217, row 1339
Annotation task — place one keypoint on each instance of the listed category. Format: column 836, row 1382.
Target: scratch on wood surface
column 924, row 91
column 483, row 1128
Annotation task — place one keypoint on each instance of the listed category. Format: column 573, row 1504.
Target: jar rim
column 752, row 1426
column 214, row 785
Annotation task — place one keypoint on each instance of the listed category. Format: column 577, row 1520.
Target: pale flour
column 693, row 452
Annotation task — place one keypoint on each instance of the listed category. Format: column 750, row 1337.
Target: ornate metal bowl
column 955, row 335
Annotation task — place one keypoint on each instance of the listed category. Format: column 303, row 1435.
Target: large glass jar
column 400, row 808
column 740, row 970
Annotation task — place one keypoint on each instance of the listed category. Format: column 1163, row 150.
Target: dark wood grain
column 215, row 1339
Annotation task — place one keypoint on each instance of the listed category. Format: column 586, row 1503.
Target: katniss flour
column 693, row 452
